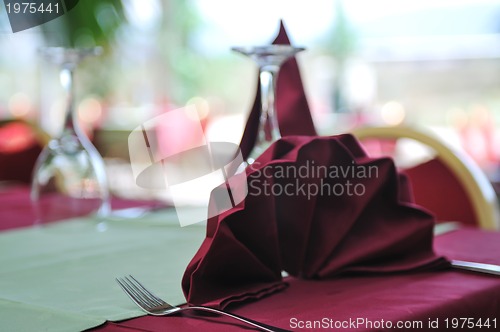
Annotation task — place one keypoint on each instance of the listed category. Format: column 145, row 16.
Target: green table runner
column 62, row 277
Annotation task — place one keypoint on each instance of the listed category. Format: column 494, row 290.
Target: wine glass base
column 269, row 55
column 52, row 207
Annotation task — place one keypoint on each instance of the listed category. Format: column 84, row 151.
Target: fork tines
column 138, row 293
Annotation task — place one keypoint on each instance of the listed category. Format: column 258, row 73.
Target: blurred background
column 433, row 63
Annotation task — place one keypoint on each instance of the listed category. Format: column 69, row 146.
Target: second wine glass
column 269, row 58
column 69, row 177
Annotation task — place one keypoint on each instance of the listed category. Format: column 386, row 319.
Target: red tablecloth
column 359, row 303
column 423, row 298
column 17, row 211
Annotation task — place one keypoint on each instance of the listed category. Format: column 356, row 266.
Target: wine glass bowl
column 69, row 177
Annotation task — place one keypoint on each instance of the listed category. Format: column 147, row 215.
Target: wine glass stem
column 269, row 129
column 67, row 76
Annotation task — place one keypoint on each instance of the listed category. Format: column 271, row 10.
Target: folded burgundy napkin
column 316, row 207
column 292, row 109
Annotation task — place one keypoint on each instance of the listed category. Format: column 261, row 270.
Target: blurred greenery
column 341, row 45
column 179, row 23
column 342, row 41
column 89, row 23
column 192, row 72
column 174, row 68
column 179, row 67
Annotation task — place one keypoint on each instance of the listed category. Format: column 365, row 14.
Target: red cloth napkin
column 316, row 207
column 294, row 116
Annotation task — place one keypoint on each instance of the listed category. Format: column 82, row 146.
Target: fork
column 155, row 306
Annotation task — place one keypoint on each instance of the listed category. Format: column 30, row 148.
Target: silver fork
column 155, row 306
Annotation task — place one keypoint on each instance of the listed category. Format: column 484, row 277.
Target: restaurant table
column 427, row 301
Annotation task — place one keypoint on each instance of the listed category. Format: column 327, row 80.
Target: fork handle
column 260, row 326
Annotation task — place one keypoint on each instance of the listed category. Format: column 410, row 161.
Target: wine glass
column 269, row 58
column 69, row 178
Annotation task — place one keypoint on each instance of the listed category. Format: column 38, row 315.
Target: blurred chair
column 20, row 144
column 449, row 183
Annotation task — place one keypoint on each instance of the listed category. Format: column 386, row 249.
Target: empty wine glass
column 269, row 58
column 69, row 177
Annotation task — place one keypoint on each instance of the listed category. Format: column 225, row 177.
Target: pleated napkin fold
column 316, row 207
